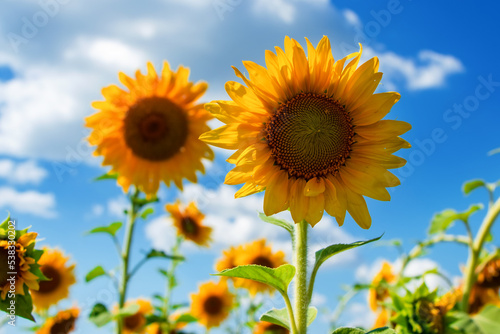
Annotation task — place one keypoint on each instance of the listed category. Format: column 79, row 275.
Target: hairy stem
column 301, row 296
column 125, row 255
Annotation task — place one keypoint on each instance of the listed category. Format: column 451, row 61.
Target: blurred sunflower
column 228, row 259
column 53, row 265
column 211, row 305
column 172, row 328
column 136, row 323
column 308, row 131
column 150, row 133
column 25, row 265
column 485, row 290
column 258, row 253
column 62, row 323
column 264, row 327
column 379, row 292
column 189, row 223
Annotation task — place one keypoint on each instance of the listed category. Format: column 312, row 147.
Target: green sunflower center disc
column 213, row 305
column 189, row 226
column 155, row 128
column 310, row 135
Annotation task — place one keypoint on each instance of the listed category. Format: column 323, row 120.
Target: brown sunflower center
column 189, row 226
column 213, row 305
column 6, row 266
column 54, row 276
column 263, row 261
column 155, row 128
column 310, row 135
column 276, row 329
column 63, row 326
column 134, row 322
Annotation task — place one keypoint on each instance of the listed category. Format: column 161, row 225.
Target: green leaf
column 94, row 273
column 443, row 220
column 348, row 330
column 147, row 212
column 23, row 305
column 157, row 253
column 383, row 330
column 312, row 312
column 279, row 278
column 128, row 310
column 100, row 315
column 140, row 202
column 325, row 253
column 185, row 318
column 111, row 229
column 487, row 320
column 107, row 176
column 277, row 317
column 472, row 185
column 278, row 222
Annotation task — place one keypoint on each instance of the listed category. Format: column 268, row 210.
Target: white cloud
column 117, row 205
column 359, row 315
column 352, row 17
column 22, row 172
column 429, row 70
column 32, row 202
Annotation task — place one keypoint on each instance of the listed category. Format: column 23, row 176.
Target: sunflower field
column 249, row 167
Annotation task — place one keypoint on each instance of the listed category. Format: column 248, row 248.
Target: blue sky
column 440, row 55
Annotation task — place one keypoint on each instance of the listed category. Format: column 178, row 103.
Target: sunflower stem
column 301, row 302
column 475, row 251
column 125, row 255
column 171, row 280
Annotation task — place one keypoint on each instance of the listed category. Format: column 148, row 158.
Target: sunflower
column 172, row 327
column 62, row 323
column 309, row 132
column 24, row 265
column 136, row 323
column 379, row 292
column 228, row 259
column 489, row 276
column 53, row 265
column 264, row 327
column 211, row 305
column 258, row 253
column 149, row 133
column 189, row 223
column 481, row 296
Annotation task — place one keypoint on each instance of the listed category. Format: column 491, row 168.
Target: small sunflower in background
column 174, row 326
column 264, row 327
column 188, row 223
column 149, row 132
column 228, row 259
column 485, row 290
column 25, row 264
column 62, row 323
column 379, row 292
column 212, row 304
column 259, row 253
column 54, row 265
column 136, row 323
column 309, row 132
column 256, row 252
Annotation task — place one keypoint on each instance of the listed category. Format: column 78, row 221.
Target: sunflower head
column 264, row 327
column 62, row 323
column 489, row 275
column 21, row 271
column 54, row 265
column 259, row 253
column 309, row 131
column 188, row 223
column 379, row 291
column 481, row 296
column 136, row 323
column 228, row 259
column 211, row 305
column 149, row 132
